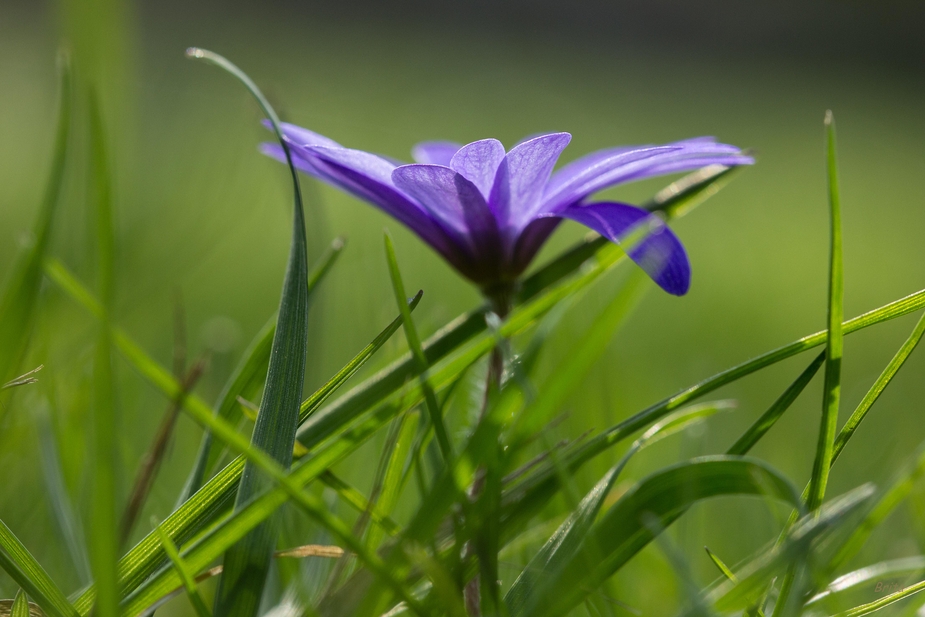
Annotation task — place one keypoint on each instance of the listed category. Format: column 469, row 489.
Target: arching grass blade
column 187, row 577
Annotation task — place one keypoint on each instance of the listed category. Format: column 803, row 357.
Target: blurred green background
column 202, row 215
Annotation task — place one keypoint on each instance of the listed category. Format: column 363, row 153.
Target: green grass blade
column 249, row 374
column 256, row 512
column 187, row 577
column 569, row 538
column 886, row 503
column 20, row 606
column 872, row 607
column 833, row 350
column 216, row 495
column 417, row 352
column 530, row 493
column 621, row 532
column 721, row 565
column 896, row 363
column 769, row 418
column 22, row 567
column 247, row 563
column 393, row 476
column 20, row 294
column 800, row 539
column 104, row 541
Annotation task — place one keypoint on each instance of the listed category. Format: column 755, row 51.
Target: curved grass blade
column 833, row 349
column 247, row 563
column 20, row 294
column 189, row 581
column 417, row 352
column 622, row 532
column 568, row 539
column 249, row 374
column 21, row 566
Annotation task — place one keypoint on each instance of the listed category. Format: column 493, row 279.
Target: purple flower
column 488, row 212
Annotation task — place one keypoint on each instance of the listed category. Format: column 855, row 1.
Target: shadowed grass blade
column 22, row 567
column 189, row 581
column 247, row 563
column 417, row 352
column 18, row 300
column 833, row 349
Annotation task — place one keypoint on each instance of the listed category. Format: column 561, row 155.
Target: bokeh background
column 202, row 216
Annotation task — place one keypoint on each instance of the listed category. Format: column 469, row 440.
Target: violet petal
column 652, row 245
column 521, row 178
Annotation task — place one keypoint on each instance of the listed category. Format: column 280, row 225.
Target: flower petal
column 368, row 177
column 605, row 168
column 646, row 238
column 455, row 202
column 521, row 179
column 434, row 152
column 478, row 162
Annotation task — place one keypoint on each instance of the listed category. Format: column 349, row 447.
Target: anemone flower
column 488, row 211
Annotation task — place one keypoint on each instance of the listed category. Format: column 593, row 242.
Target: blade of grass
column 104, row 543
column 214, row 497
column 833, row 349
column 23, row 380
column 20, row 294
column 249, row 374
column 799, row 540
column 769, row 418
column 621, row 533
column 569, row 538
column 417, row 352
column 189, row 582
column 256, row 511
column 21, row 566
column 247, row 563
